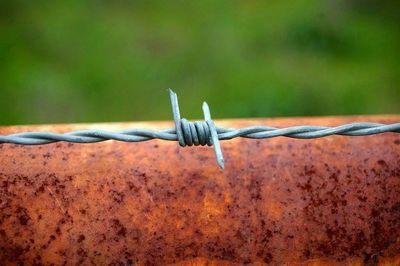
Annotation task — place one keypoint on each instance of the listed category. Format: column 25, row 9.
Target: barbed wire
column 199, row 132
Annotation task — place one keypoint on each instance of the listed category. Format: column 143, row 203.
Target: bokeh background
column 92, row 61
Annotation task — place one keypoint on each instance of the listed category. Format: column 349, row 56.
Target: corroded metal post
column 328, row 201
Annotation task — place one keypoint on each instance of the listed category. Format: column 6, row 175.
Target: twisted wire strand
column 199, row 133
column 253, row 132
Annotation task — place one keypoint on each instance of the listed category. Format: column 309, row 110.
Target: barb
column 199, row 132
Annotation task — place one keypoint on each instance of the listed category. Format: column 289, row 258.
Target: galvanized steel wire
column 253, row 132
column 199, row 132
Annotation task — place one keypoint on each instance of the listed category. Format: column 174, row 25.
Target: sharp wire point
column 221, row 163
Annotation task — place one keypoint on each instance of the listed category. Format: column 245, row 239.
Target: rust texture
column 282, row 201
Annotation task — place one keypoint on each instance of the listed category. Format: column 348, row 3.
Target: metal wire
column 199, row 132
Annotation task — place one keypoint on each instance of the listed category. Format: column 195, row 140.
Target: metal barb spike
column 214, row 136
column 177, row 116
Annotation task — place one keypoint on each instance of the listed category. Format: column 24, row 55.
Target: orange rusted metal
column 328, row 201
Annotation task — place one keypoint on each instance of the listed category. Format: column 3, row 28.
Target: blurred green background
column 90, row 61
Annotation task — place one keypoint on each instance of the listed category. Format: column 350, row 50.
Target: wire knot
column 196, row 133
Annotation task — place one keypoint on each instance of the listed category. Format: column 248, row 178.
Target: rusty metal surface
column 328, row 201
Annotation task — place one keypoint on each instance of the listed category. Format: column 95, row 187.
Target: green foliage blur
column 93, row 61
